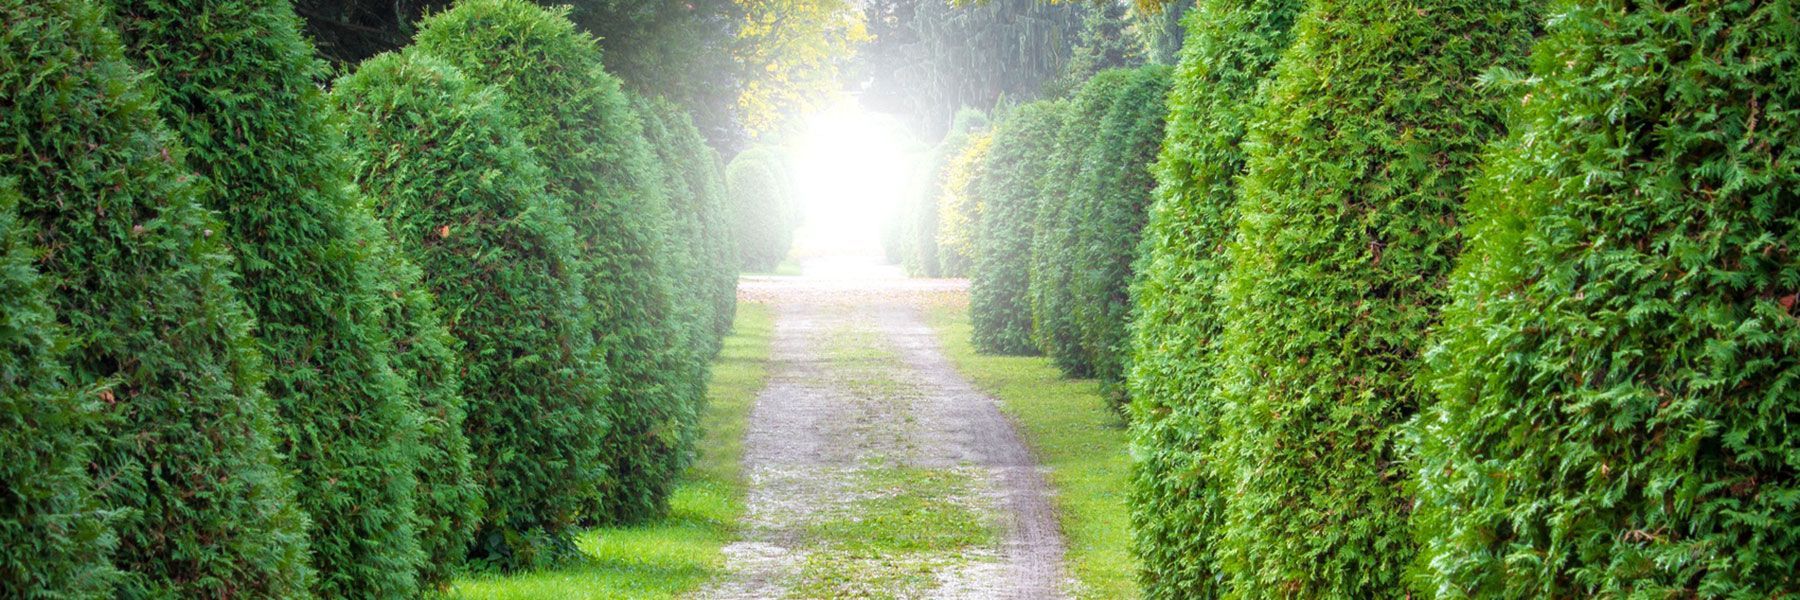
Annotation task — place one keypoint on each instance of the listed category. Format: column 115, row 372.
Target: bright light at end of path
column 851, row 168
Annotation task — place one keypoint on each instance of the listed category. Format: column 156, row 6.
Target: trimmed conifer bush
column 920, row 214
column 54, row 538
column 1056, row 239
column 958, row 209
column 696, row 192
column 1014, row 177
column 1616, row 377
column 157, row 339
column 1112, row 197
column 445, row 164
column 758, row 200
column 240, row 86
column 1355, row 174
column 589, row 140
column 1177, row 491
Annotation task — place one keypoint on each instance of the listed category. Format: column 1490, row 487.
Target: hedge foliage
column 1616, row 378
column 1057, row 230
column 156, row 337
column 54, row 538
column 760, row 207
column 701, row 233
column 958, row 207
column 466, row 199
column 589, row 140
column 1014, row 176
column 1177, row 489
column 239, row 86
column 1111, row 198
column 1355, row 173
column 920, row 254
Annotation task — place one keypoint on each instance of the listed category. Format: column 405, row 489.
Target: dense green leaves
column 579, row 122
column 921, row 215
column 1355, row 173
column 761, row 207
column 1177, row 488
column 1616, row 379
column 700, row 243
column 1015, row 175
column 156, row 338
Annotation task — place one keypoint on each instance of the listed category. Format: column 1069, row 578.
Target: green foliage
column 239, row 87
column 156, row 337
column 1112, row 195
column 1105, row 41
column 761, row 209
column 54, row 539
column 1056, row 238
column 465, row 198
column 920, row 215
column 1615, row 379
column 589, row 140
column 1355, row 173
column 1014, row 177
column 958, row 209
column 700, row 245
column 1177, row 492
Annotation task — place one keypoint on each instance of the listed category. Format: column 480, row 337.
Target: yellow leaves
column 794, row 50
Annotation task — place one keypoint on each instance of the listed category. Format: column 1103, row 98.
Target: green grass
column 1071, row 430
column 679, row 553
column 908, row 526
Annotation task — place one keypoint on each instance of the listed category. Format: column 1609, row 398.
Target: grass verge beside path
column 1072, row 431
column 679, row 553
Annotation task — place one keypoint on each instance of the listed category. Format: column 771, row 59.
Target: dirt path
column 875, row 469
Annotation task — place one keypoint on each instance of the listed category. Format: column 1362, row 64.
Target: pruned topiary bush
column 578, row 120
column 240, row 86
column 1355, row 173
column 1616, row 377
column 1111, row 197
column 445, row 165
column 758, row 199
column 696, row 191
column 920, row 254
column 156, row 337
column 1013, row 179
column 958, row 210
column 1177, row 489
column 54, row 537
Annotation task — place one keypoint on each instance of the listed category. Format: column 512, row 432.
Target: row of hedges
column 921, row 215
column 763, row 208
column 1593, row 400
column 266, row 342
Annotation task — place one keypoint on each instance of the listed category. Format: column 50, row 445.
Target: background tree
column 1615, row 378
column 793, row 52
column 156, row 337
column 1013, row 179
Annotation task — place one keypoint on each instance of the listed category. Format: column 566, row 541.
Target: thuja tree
column 1013, row 179
column 1176, row 489
column 1056, row 238
column 238, row 84
column 156, row 338
column 1616, row 375
column 697, row 200
column 448, row 172
column 589, row 140
column 919, row 235
column 54, row 538
column 757, row 200
column 1354, row 177
column 957, row 207
column 1111, row 198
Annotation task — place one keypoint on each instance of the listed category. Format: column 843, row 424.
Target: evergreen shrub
column 156, row 337
column 1177, row 490
column 239, row 85
column 958, row 209
column 578, row 120
column 758, row 198
column 1355, row 174
column 696, row 192
column 448, row 172
column 1014, row 177
column 1616, row 376
column 920, row 254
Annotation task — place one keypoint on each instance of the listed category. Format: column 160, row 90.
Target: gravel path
column 859, row 383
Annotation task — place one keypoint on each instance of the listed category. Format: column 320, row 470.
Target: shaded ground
column 874, row 468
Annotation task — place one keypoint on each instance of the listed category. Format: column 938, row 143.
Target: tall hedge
column 1355, row 174
column 958, row 208
column 1111, row 199
column 1057, row 232
column 1616, row 378
column 1014, row 177
column 239, row 85
column 157, row 339
column 54, row 537
column 919, row 216
column 696, row 191
column 449, row 173
column 1177, row 489
column 589, row 140
column 758, row 200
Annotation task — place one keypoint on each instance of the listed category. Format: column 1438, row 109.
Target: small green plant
column 1014, row 177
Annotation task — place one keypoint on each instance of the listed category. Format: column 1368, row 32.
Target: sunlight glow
column 851, row 168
